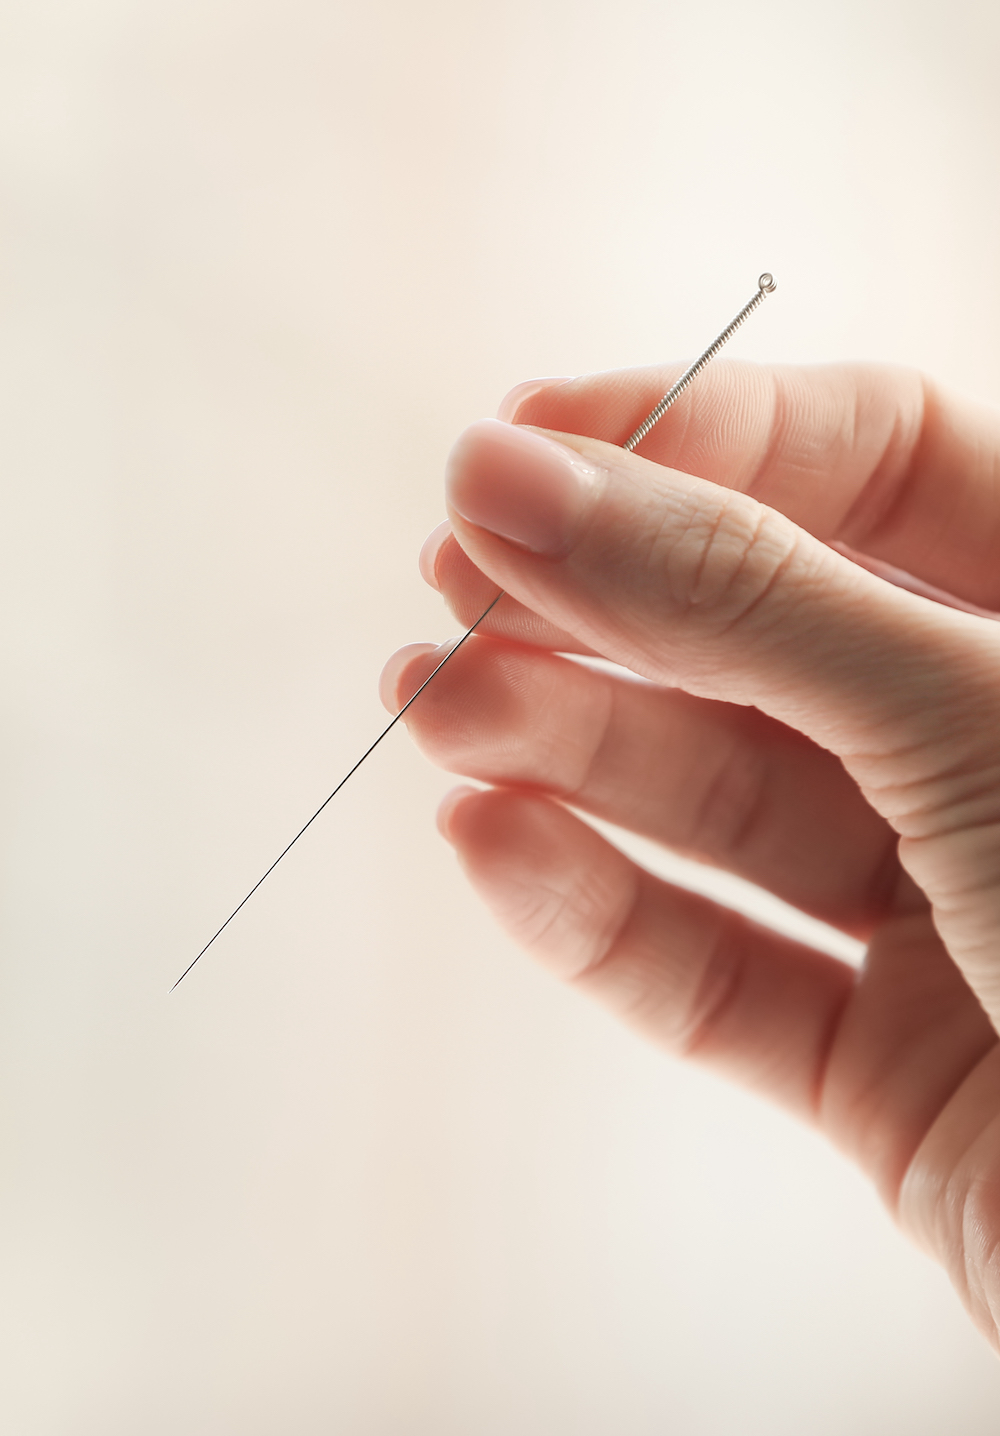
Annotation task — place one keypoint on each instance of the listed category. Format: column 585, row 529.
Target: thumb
column 698, row 586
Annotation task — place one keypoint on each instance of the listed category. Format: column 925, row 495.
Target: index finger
column 875, row 457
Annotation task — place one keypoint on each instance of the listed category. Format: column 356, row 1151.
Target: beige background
column 368, row 1171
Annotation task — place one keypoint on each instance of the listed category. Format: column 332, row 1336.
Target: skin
column 794, row 718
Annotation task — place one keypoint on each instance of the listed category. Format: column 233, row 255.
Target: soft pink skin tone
column 521, row 393
column 522, row 486
column 832, row 737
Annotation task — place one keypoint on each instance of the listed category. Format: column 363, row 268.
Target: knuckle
column 576, row 923
column 728, row 811
column 726, row 561
column 536, row 915
column 677, row 990
column 712, row 997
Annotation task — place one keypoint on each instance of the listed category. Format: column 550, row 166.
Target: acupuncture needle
column 765, row 286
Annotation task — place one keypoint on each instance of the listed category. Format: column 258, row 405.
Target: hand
column 807, row 725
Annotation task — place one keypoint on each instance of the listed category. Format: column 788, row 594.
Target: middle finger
column 717, row 781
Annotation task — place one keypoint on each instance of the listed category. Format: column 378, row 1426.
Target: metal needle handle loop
column 765, row 286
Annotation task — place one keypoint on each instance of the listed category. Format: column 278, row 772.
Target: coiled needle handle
column 765, row 286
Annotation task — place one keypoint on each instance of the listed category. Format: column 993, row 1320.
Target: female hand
column 809, row 726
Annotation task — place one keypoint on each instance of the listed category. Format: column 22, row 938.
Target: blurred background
column 368, row 1171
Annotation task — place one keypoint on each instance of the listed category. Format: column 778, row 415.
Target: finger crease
column 773, row 580
column 886, row 491
column 718, row 986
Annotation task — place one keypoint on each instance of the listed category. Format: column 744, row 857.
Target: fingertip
column 511, row 402
column 432, row 546
column 447, row 808
column 392, row 673
column 522, row 485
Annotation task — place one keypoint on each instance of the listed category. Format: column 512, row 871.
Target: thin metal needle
column 765, row 286
column 385, row 731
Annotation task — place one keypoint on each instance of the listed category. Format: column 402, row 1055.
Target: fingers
column 468, row 592
column 719, row 782
column 696, row 586
column 688, row 583
column 875, row 1069
column 877, row 458
column 702, row 981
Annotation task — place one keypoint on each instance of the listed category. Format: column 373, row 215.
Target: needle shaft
column 350, row 773
column 765, row 286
